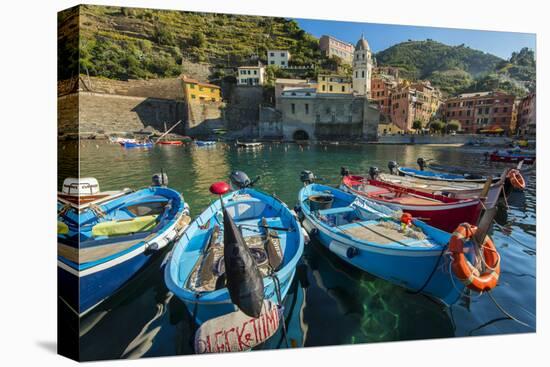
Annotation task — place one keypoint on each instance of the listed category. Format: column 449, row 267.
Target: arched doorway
column 300, row 135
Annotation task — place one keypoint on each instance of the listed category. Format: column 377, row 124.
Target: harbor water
column 330, row 303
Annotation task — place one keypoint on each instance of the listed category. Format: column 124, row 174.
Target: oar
column 284, row 229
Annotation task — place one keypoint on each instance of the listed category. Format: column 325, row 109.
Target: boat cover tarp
column 122, row 227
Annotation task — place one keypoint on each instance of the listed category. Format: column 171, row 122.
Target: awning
column 494, row 131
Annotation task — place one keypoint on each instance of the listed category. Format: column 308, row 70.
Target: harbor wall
column 443, row 139
column 115, row 114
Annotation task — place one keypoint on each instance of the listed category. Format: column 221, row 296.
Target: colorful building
column 279, row 58
column 527, row 115
column 196, row 91
column 380, row 92
column 362, row 68
column 482, row 111
column 328, row 83
column 251, row 75
column 331, row 46
column 411, row 102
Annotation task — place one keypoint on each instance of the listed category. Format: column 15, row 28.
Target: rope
column 513, row 238
column 431, row 274
column 277, row 285
column 460, row 292
column 508, row 314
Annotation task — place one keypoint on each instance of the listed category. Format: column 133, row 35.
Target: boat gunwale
column 221, row 296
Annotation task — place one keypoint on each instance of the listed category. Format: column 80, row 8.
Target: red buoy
column 219, row 188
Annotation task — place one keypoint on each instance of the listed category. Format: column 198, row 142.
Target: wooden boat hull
column 406, row 266
column 91, row 269
column 454, row 190
column 439, row 214
column 206, row 305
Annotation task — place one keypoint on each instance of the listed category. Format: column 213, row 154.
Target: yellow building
column 327, row 83
column 388, row 128
column 196, row 91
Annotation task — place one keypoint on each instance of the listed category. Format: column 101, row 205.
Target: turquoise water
column 330, row 303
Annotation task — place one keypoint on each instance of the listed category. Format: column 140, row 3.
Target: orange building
column 482, row 111
column 380, row 91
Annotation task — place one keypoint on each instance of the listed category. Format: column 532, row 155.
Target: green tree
column 436, row 125
column 197, row 39
column 453, row 125
column 417, row 125
column 164, row 35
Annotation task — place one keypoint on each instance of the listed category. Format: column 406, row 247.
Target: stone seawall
column 445, row 139
column 67, row 115
column 115, row 114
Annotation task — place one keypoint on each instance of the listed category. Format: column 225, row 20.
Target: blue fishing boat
column 384, row 243
column 106, row 238
column 443, row 176
column 132, row 144
column 205, row 143
column 221, row 297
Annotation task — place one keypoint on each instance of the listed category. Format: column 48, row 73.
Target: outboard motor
column 344, row 171
column 392, row 166
column 373, row 172
column 159, row 179
column 307, row 177
column 239, row 180
column 421, row 163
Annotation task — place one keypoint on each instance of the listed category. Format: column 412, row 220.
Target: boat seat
column 339, row 210
column 125, row 226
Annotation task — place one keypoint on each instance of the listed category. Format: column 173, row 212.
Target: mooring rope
column 513, row 238
column 507, row 313
column 277, row 285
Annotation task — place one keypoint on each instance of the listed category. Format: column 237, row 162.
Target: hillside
column 457, row 69
column 131, row 43
column 122, row 43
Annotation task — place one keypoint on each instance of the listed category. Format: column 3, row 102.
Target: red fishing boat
column 170, row 142
column 437, row 210
column 512, row 156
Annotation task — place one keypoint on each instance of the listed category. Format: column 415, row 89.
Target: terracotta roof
column 195, row 81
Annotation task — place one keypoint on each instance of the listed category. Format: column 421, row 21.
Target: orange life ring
column 516, row 179
column 464, row 270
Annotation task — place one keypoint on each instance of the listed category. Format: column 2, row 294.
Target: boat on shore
column 248, row 145
column 169, row 142
column 205, row 143
column 106, row 238
column 437, row 210
column 392, row 245
column 119, row 140
column 246, row 227
column 137, row 144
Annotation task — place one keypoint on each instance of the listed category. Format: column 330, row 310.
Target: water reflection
column 329, row 302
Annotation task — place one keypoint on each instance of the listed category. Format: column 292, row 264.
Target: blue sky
column 382, row 36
